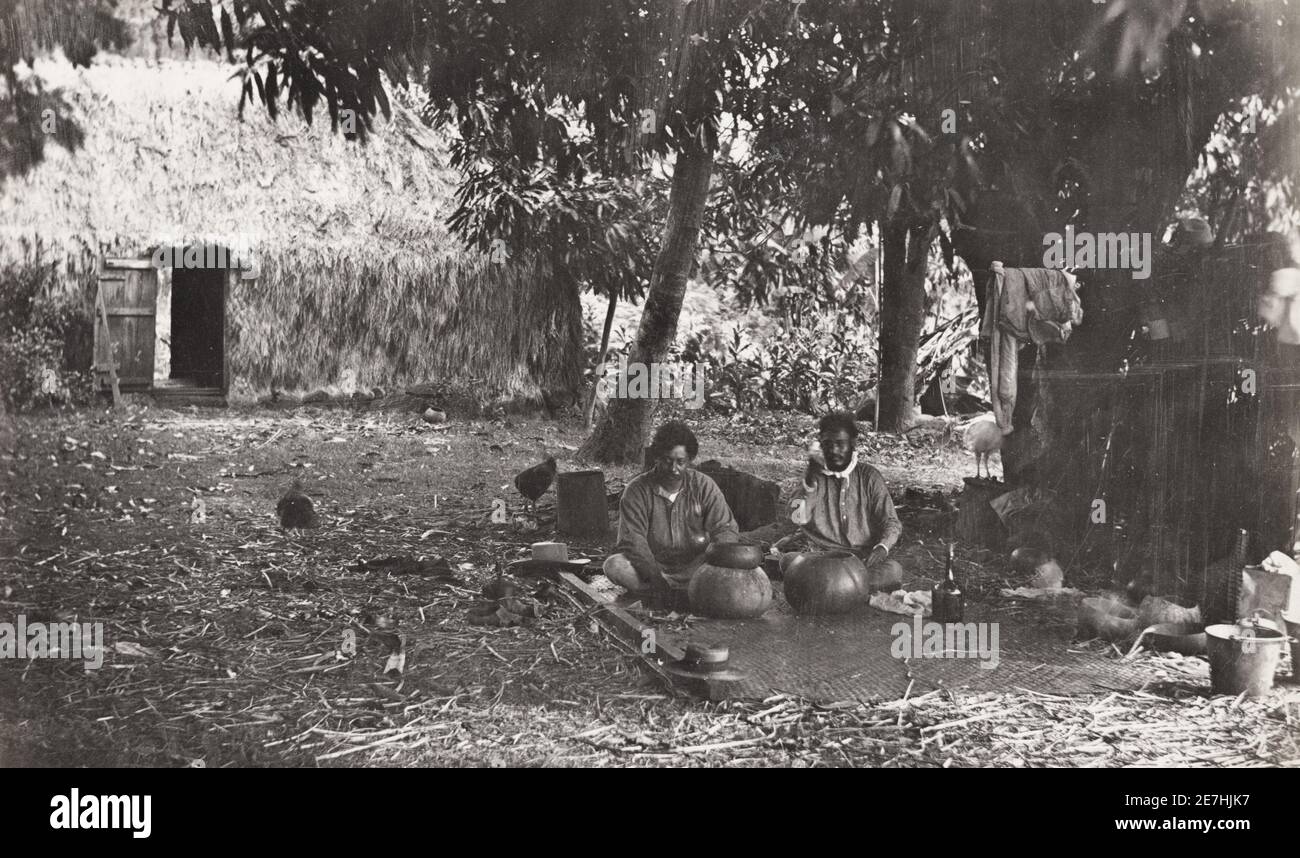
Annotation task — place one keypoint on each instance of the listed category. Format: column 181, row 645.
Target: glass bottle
column 946, row 599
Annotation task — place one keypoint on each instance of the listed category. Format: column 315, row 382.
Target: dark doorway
column 198, row 322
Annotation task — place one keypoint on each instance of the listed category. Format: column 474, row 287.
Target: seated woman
column 667, row 517
column 844, row 504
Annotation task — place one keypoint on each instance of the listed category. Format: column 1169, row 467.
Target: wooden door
column 129, row 288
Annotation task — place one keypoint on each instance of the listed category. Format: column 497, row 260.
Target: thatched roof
column 166, row 155
column 357, row 268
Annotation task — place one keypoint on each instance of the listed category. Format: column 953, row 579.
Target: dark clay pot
column 732, row 555
column 827, row 582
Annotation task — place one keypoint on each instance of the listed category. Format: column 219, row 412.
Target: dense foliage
column 37, row 331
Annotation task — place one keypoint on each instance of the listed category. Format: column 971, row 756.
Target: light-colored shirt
column 665, row 494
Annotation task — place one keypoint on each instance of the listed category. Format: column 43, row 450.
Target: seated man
column 667, row 517
column 844, row 504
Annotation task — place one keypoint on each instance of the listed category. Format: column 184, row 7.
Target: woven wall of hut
column 1195, row 437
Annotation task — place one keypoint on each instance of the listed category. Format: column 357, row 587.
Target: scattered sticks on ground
column 228, row 642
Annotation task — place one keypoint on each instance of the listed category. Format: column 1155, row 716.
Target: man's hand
column 877, row 555
column 816, row 462
column 814, row 468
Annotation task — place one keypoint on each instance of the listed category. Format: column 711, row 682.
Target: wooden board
column 656, row 650
column 126, row 337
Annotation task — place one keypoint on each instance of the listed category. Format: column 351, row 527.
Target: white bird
column 983, row 437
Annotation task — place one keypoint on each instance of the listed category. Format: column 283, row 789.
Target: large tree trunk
column 621, row 435
column 906, row 249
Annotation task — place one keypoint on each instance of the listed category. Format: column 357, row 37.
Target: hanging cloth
column 1025, row 304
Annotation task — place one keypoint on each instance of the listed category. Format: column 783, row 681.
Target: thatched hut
column 353, row 273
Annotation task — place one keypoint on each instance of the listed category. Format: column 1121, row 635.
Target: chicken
column 295, row 509
column 983, row 437
column 533, row 482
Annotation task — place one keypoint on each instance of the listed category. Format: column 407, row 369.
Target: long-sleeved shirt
column 655, row 533
column 851, row 509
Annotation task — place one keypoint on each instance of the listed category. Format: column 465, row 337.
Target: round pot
column 1027, row 559
column 828, row 582
column 733, row 555
column 729, row 594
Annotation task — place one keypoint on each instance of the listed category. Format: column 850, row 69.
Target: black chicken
column 295, row 509
column 534, row 482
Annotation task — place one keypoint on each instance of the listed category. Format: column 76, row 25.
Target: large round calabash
column 828, row 582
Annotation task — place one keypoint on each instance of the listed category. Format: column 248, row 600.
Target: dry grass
column 239, row 627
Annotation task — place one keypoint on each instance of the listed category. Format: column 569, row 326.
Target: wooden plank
column 633, row 632
column 108, row 347
column 130, row 298
column 625, row 626
column 134, row 336
column 131, row 264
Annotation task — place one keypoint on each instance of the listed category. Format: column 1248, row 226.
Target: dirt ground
column 229, row 643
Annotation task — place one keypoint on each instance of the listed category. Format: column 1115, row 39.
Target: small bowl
column 706, row 657
column 1184, row 638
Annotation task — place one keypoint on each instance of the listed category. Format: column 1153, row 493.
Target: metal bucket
column 1243, row 658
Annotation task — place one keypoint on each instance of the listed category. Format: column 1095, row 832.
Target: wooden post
column 102, row 312
column 879, row 275
column 977, row 523
column 580, row 503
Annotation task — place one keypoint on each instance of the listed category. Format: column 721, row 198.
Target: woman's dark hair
column 672, row 434
column 837, row 420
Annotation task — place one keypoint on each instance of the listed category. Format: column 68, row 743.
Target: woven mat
column 856, row 656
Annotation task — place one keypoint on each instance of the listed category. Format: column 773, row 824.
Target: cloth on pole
column 1026, row 304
